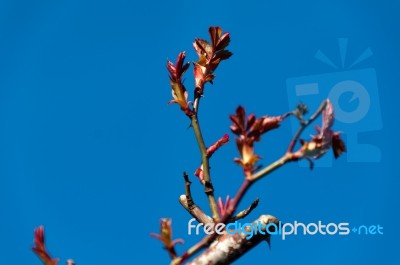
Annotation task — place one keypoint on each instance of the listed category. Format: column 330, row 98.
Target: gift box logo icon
column 354, row 95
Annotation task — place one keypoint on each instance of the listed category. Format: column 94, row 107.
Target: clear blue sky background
column 90, row 149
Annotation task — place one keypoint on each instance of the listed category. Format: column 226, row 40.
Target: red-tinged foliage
column 40, row 249
column 249, row 131
column 165, row 235
column 223, row 207
column 210, row 55
column 338, row 146
column 252, row 128
column 176, row 71
column 179, row 92
column 325, row 138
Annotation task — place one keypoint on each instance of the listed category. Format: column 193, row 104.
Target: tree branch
column 229, row 247
column 208, row 188
column 287, row 157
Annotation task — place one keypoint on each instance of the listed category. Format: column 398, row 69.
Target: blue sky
column 90, row 149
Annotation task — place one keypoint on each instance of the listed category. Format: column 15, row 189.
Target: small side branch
column 188, row 203
column 304, row 124
column 195, row 211
column 247, row 211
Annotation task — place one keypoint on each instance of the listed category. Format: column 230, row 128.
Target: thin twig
column 208, row 188
column 247, row 211
column 188, row 203
column 272, row 167
column 304, row 124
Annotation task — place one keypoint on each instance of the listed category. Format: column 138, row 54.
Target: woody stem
column 208, row 188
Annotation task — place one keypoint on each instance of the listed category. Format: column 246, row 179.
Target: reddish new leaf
column 179, row 92
column 203, row 48
column 210, row 55
column 165, row 235
column 249, row 130
column 40, row 248
column 325, row 138
column 338, row 146
column 223, row 41
column 223, row 207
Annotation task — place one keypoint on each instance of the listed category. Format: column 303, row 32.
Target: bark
column 228, row 248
